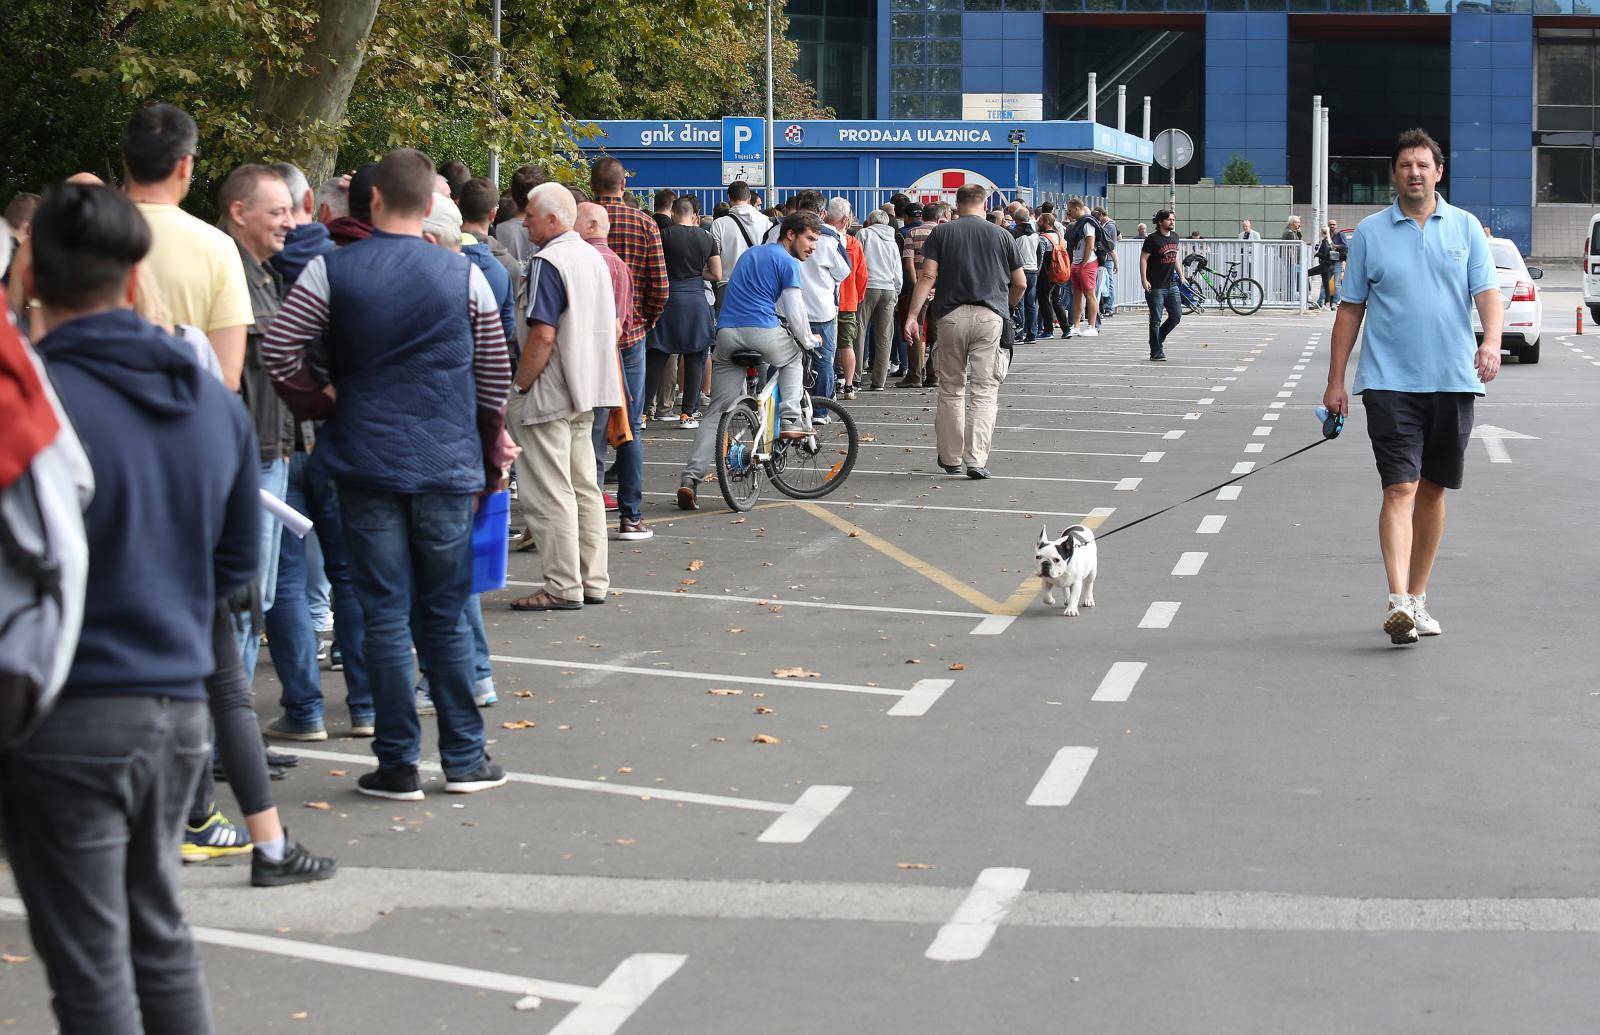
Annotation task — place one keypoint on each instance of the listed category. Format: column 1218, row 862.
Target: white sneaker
column 1090, row 332
column 1401, row 622
column 1427, row 625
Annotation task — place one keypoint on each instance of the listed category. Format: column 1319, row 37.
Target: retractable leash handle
column 1332, row 424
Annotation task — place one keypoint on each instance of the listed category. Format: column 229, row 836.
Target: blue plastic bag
column 490, row 529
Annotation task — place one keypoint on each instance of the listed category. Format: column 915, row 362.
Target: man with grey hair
column 309, row 238
column 820, row 277
column 567, row 370
column 333, row 199
column 881, row 255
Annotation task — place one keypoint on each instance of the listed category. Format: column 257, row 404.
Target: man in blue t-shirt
column 1415, row 271
column 763, row 311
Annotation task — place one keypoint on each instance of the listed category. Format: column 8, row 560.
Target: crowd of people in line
column 381, row 352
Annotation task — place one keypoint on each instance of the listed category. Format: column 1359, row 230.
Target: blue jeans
column 1105, row 289
column 822, row 358
column 630, row 455
column 1029, row 305
column 1162, row 300
column 318, row 589
column 482, row 671
column 274, row 479
column 411, row 564
column 291, row 636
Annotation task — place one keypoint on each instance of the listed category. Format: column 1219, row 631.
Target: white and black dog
column 1068, row 562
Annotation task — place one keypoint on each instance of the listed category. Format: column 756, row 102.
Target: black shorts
column 1419, row 434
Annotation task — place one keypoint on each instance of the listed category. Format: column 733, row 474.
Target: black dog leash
column 1331, row 426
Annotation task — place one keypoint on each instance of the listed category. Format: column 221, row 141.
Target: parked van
column 1591, row 270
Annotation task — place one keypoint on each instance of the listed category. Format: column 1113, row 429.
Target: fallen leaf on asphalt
column 764, row 738
column 958, row 667
column 719, row 740
column 688, row 582
column 763, row 710
column 320, row 806
column 624, row 840
column 737, row 521
column 758, row 693
column 915, row 866
column 854, row 535
column 299, row 1015
column 563, row 727
column 795, row 672
column 775, row 608
column 528, row 1002
column 624, row 768
column 722, row 691
column 6, row 957
column 868, row 438
column 696, row 564
column 338, row 772
column 519, row 724
column 736, row 630
column 524, row 693
column 913, row 661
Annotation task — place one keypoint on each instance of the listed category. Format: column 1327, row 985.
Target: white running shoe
column 1427, row 625
column 1090, row 332
column 1401, row 622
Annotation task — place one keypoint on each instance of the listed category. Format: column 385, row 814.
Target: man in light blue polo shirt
column 1415, row 269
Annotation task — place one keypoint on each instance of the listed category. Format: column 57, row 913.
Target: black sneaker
column 398, row 784
column 281, row 759
column 335, row 658
column 487, row 775
column 1158, row 357
column 977, row 473
column 951, row 468
column 297, row 866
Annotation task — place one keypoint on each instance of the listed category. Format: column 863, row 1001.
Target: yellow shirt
column 198, row 270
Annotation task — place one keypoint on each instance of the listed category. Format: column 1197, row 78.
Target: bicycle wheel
column 810, row 468
column 738, row 473
column 1245, row 296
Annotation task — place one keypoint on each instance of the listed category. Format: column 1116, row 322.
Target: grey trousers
column 93, row 804
column 877, row 310
column 727, row 384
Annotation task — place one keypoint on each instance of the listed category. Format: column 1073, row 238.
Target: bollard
column 1580, row 319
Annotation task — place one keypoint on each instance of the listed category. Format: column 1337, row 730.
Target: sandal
column 543, row 601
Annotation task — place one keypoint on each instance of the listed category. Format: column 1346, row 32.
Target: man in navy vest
column 418, row 374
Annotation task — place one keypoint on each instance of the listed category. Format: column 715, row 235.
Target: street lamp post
column 494, row 57
column 1017, row 137
column 772, row 173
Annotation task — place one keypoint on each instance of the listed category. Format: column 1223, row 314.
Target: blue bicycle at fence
column 749, row 444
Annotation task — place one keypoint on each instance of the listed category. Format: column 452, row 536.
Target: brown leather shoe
column 686, row 496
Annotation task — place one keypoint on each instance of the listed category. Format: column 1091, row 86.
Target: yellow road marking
column 730, row 515
column 1018, row 602
column 939, row 576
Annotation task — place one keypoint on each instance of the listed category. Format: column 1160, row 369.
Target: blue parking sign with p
column 743, row 138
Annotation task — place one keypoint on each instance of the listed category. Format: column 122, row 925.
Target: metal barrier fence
column 862, row 199
column 1279, row 266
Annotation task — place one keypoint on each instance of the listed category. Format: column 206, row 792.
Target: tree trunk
column 307, row 107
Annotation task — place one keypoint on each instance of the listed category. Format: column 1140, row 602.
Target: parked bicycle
column 748, row 442
column 1241, row 294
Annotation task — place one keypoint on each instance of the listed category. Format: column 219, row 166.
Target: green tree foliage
column 1240, row 172
column 331, row 83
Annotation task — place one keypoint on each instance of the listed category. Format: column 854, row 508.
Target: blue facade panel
column 982, row 26
column 1490, row 166
column 1247, row 92
column 983, row 53
column 982, row 78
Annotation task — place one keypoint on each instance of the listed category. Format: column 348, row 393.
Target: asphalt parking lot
column 832, row 767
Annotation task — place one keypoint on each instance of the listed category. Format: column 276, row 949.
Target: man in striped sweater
column 413, row 398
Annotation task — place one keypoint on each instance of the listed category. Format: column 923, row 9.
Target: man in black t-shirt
column 1160, row 273
column 979, row 275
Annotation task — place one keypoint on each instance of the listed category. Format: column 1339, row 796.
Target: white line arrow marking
column 1494, row 441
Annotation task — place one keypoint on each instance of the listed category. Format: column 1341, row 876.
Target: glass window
column 944, row 80
column 1552, row 116
column 908, row 52
column 944, row 52
column 910, row 5
column 1563, row 175
column 1114, row 5
column 944, row 26
column 983, row 5
column 909, row 26
column 910, row 106
column 1266, row 5
column 1063, row 5
column 1308, row 5
column 1225, row 5
column 1146, row 5
column 1022, row 5
column 1565, row 71
column 944, row 106
column 909, row 79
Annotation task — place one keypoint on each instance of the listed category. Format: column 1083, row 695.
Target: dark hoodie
column 304, row 243
column 348, row 230
column 176, row 517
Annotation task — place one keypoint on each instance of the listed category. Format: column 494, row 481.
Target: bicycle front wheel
column 810, row 468
column 1245, row 296
column 738, row 473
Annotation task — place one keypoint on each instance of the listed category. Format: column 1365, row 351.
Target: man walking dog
column 1414, row 271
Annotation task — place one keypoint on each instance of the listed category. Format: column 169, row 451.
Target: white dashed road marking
column 1211, row 524
column 1060, row 782
column 1152, row 458
column 1254, row 447
column 1229, row 492
column 1160, row 614
column 1119, row 681
column 1244, row 467
column 978, row 917
column 1189, row 563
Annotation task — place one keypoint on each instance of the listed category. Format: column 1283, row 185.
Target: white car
column 1591, row 270
column 1524, row 319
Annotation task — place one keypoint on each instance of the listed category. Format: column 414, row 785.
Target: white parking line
column 994, row 625
column 1277, row 405
column 1062, row 778
column 1119, row 681
column 1211, row 524
column 1173, row 435
column 1284, row 395
column 1128, row 484
column 1190, row 563
column 1229, row 492
column 1262, row 430
column 1244, row 467
column 1254, row 447
column 1152, row 458
column 1160, row 614
column 1271, row 416
column 1217, row 388
column 1291, row 384
column 978, row 917
column 860, row 405
column 718, row 598
column 1205, row 402
column 813, row 806
column 923, row 694
column 710, row 677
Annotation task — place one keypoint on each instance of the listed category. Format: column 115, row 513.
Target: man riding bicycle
column 763, row 312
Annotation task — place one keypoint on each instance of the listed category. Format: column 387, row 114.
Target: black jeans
column 238, row 736
column 1159, row 299
column 694, row 365
column 93, row 809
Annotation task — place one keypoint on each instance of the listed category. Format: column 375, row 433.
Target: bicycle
column 748, row 441
column 1241, row 294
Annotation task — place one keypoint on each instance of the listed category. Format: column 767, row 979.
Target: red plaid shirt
column 637, row 241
